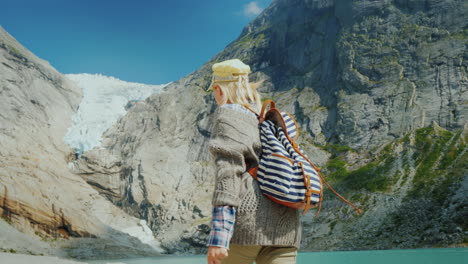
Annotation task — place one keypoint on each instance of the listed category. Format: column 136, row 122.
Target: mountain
column 108, row 96
column 379, row 89
column 39, row 195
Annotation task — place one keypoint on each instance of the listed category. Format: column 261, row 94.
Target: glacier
column 104, row 101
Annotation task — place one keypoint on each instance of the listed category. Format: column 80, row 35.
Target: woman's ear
column 217, row 87
column 219, row 95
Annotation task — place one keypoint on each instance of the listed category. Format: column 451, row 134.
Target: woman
column 245, row 222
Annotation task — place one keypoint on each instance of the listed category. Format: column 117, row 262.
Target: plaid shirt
column 222, row 226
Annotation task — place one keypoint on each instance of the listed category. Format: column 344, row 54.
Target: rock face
column 379, row 89
column 402, row 70
column 413, row 192
column 365, row 79
column 153, row 163
column 38, row 194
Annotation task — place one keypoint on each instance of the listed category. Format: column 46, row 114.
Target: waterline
column 403, row 256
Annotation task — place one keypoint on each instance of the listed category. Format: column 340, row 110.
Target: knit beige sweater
column 235, row 142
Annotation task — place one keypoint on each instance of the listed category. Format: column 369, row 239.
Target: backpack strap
column 253, row 172
column 359, row 211
column 261, row 116
column 251, row 110
column 267, row 103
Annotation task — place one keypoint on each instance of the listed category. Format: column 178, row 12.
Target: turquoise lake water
column 404, row 256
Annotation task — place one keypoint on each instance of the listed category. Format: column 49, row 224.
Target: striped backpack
column 285, row 174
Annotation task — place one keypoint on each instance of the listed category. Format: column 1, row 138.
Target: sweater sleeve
column 227, row 146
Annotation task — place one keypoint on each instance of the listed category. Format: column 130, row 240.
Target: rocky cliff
column 39, row 195
column 380, row 91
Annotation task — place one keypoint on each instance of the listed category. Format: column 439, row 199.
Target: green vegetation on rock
column 336, row 149
column 14, row 50
column 376, row 176
column 251, row 39
column 441, row 160
column 439, row 157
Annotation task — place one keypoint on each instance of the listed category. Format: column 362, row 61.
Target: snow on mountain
column 104, row 101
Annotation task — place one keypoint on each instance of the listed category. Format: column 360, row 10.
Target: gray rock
column 39, row 194
column 365, row 76
column 361, row 74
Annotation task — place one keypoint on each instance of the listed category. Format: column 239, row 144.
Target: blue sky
column 143, row 41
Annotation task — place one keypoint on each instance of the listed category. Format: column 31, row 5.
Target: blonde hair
column 242, row 92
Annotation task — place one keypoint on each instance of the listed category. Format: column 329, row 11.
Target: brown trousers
column 239, row 254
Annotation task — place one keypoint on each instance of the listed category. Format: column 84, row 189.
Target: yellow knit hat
column 229, row 71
